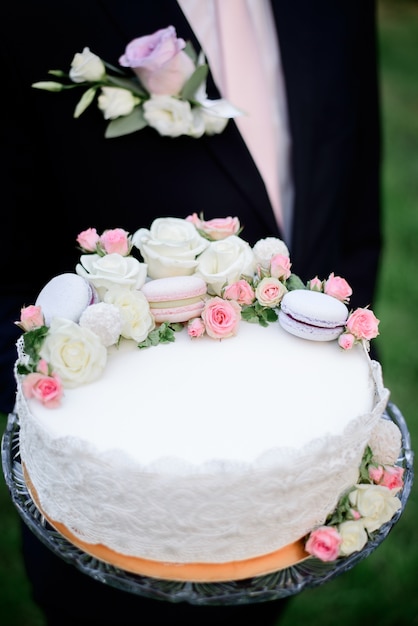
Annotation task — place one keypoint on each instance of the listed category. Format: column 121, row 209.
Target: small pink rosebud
column 280, row 266
column 31, row 317
column 338, row 287
column 240, row 291
column 376, row 473
column 115, row 241
column 315, row 284
column 392, row 477
column 88, row 240
column 346, row 341
column 196, row 327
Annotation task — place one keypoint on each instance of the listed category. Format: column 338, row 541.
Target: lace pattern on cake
column 181, row 513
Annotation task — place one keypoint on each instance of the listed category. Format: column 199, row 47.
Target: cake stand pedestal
column 306, row 574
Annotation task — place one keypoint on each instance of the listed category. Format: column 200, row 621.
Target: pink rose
column 240, row 291
column 159, row 61
column 355, row 514
column 216, row 229
column 392, row 477
column 346, row 341
column 280, row 266
column 376, row 473
column 324, row 543
column 363, row 324
column 270, row 291
column 315, row 284
column 338, row 288
column 221, row 317
column 47, row 389
column 31, row 317
column 116, row 241
column 88, row 240
column 196, row 327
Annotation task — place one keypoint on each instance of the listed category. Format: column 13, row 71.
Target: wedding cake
column 211, row 441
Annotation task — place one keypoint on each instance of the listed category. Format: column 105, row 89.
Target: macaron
column 175, row 298
column 312, row 315
column 67, row 296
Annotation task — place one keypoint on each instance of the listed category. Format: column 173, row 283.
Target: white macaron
column 67, row 296
column 312, row 315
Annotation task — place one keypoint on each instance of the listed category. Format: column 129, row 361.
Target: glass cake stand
column 286, row 582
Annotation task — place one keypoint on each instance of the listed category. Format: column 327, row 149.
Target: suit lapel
column 228, row 149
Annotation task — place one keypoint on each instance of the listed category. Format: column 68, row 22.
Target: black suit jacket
column 61, row 176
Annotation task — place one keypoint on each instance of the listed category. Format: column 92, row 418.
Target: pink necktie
column 245, row 86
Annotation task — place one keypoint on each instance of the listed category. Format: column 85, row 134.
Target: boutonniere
column 166, row 88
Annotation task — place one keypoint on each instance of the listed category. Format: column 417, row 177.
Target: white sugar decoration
column 104, row 320
column 385, row 442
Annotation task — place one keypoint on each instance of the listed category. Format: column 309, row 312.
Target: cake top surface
column 80, row 322
column 234, row 399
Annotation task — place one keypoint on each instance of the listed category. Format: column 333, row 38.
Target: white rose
column 269, row 292
column 375, row 503
column 116, row 102
column 354, row 537
column 86, row 66
column 225, row 262
column 170, row 247
column 105, row 271
column 265, row 249
column 169, row 116
column 134, row 309
column 76, row 354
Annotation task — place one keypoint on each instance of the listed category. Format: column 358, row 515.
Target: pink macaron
column 67, row 296
column 312, row 315
column 175, row 298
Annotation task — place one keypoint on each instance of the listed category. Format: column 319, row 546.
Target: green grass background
column 383, row 589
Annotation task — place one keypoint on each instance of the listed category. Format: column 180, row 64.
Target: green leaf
column 85, row 101
column 129, row 84
column 190, row 51
column 194, row 82
column 127, row 124
column 162, row 334
column 32, row 342
column 294, row 282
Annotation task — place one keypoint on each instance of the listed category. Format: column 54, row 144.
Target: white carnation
column 265, row 249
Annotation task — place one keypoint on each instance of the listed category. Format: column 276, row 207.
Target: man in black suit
column 61, row 176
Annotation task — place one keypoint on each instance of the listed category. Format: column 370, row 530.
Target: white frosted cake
column 212, row 450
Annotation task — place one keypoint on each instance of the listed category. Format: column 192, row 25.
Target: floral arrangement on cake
column 366, row 506
column 167, row 90
column 242, row 283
